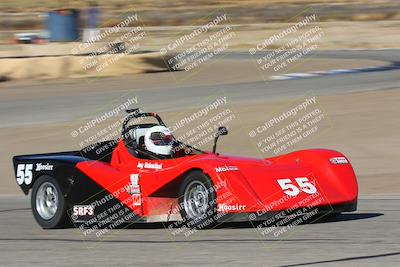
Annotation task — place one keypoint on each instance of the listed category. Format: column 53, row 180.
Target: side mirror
column 221, row 131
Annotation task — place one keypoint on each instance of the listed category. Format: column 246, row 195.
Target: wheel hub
column 47, row 201
column 195, row 199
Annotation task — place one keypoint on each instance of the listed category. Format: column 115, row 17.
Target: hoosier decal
column 43, row 167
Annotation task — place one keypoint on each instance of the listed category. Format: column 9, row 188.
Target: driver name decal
column 149, row 165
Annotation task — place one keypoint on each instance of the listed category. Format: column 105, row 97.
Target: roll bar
column 135, row 113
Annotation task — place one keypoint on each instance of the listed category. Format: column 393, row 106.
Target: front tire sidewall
column 207, row 220
column 59, row 218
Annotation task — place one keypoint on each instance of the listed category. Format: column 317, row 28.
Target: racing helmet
column 159, row 140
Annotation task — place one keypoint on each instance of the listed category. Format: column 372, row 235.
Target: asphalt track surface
column 86, row 98
column 368, row 237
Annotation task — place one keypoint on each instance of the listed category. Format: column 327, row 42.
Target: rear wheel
column 48, row 203
column 197, row 201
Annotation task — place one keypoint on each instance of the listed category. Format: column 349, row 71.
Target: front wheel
column 48, row 203
column 197, row 201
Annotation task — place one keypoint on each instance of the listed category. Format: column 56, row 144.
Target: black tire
column 206, row 217
column 48, row 221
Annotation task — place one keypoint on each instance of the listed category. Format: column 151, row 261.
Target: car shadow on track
column 320, row 219
column 329, row 218
column 348, row 217
column 205, row 238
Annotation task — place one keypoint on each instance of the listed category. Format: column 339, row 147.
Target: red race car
column 149, row 176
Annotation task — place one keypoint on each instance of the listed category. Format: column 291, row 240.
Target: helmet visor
column 161, row 139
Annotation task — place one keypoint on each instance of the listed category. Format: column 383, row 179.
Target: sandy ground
column 78, row 67
column 370, row 137
column 43, row 68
